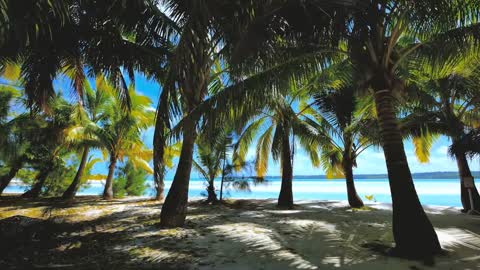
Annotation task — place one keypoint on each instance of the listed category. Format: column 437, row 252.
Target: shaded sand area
column 124, row 234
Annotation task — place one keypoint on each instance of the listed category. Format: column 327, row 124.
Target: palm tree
column 211, row 158
column 168, row 153
column 197, row 62
column 444, row 102
column 13, row 142
column 279, row 125
column 379, row 37
column 48, row 150
column 22, row 137
column 469, row 144
column 91, row 111
column 15, row 147
column 10, row 153
column 80, row 35
column 198, row 30
column 120, row 136
column 340, row 125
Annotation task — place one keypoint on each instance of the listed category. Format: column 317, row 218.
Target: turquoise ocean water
column 443, row 192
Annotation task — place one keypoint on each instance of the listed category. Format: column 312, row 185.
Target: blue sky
column 371, row 161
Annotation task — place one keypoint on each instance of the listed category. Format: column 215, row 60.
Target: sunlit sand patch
column 465, row 245
column 252, row 214
column 156, row 245
column 337, row 261
column 202, row 217
column 442, row 210
column 380, row 206
column 178, row 232
column 376, row 225
column 327, row 205
column 94, row 213
column 455, row 238
column 341, row 242
column 313, row 235
column 263, row 240
column 313, row 225
column 149, row 233
column 284, row 212
column 35, row 212
column 84, row 213
column 473, row 258
column 307, row 228
column 156, row 255
column 320, row 206
column 69, row 246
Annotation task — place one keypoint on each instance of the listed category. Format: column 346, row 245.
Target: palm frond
column 262, row 153
column 422, row 145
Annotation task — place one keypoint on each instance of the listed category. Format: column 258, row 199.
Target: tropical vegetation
column 330, row 77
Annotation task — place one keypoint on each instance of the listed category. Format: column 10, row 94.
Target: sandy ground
column 124, row 234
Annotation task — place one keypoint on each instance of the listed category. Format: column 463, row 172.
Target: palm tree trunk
column 174, row 210
column 353, row 199
column 285, row 199
column 464, row 171
column 34, row 192
column 159, row 187
column 412, row 230
column 6, row 179
column 223, row 173
column 212, row 195
column 108, row 191
column 159, row 145
column 73, row 188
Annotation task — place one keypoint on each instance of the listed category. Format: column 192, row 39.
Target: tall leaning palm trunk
column 343, row 134
column 158, row 162
column 174, row 210
column 40, row 180
column 347, row 167
column 285, row 199
column 412, row 230
column 159, row 145
column 7, row 178
column 108, row 190
column 464, row 171
column 190, row 73
column 352, row 195
column 457, row 132
column 73, row 188
column 381, row 54
column 212, row 195
column 468, row 145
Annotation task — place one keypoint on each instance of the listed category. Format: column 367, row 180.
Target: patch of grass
column 363, row 209
column 170, row 232
column 36, row 212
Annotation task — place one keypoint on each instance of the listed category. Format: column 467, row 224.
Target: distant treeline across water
column 427, row 175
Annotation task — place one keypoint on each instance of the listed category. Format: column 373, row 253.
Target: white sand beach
column 245, row 234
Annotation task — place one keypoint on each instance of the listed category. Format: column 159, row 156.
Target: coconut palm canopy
column 331, row 78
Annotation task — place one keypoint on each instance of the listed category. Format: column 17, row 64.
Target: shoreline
column 435, row 193
column 376, row 205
